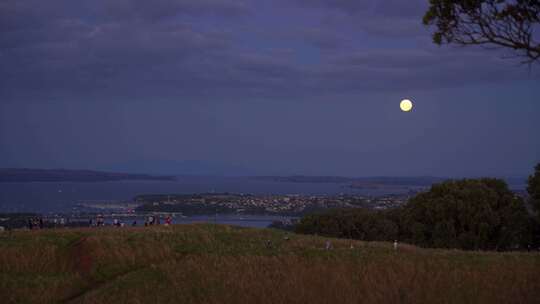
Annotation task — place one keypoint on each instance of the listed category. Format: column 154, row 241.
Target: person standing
column 100, row 221
column 328, row 245
column 168, row 220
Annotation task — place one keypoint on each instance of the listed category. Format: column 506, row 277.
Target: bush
column 533, row 188
column 471, row 214
column 468, row 214
column 362, row 224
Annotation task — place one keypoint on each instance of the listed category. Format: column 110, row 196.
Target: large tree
column 501, row 23
column 468, row 214
column 534, row 190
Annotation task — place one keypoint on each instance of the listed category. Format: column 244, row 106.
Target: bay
column 47, row 197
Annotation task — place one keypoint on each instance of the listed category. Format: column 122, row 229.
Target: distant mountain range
column 357, row 182
column 184, row 167
column 63, row 175
column 378, row 181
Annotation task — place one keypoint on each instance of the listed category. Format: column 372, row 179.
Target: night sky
column 257, row 87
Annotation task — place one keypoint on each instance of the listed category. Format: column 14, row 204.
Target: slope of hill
column 221, row 264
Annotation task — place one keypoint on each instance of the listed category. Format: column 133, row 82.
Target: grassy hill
column 221, row 264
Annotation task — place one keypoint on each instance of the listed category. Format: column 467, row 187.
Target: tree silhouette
column 502, row 23
column 533, row 189
column 467, row 214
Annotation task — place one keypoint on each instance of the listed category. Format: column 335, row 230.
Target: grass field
column 205, row 263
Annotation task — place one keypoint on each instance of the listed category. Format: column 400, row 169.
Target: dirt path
column 97, row 285
column 80, row 253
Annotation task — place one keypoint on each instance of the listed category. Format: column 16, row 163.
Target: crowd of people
column 155, row 220
column 150, row 220
column 35, row 223
column 38, row 222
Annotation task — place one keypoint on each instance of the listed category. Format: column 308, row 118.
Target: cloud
column 349, row 6
column 135, row 49
column 323, row 38
column 394, row 8
column 28, row 13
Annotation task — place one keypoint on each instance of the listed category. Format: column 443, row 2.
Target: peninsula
column 21, row 175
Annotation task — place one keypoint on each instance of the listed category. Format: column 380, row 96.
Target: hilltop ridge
column 204, row 263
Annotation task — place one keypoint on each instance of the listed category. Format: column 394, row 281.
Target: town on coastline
column 283, row 205
column 275, row 208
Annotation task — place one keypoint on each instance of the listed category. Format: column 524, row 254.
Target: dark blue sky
column 257, row 87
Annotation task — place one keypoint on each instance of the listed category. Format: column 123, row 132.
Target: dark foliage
column 501, row 23
column 15, row 220
column 468, row 214
column 533, row 188
column 362, row 224
column 472, row 214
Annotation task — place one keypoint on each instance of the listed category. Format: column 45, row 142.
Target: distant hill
column 62, row 175
column 357, row 181
column 306, row 179
column 184, row 167
column 379, row 181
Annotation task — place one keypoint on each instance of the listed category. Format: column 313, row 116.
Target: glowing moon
column 406, row 105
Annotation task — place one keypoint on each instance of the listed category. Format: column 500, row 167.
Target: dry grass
column 221, row 264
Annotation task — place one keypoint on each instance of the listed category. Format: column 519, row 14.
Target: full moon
column 406, row 105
